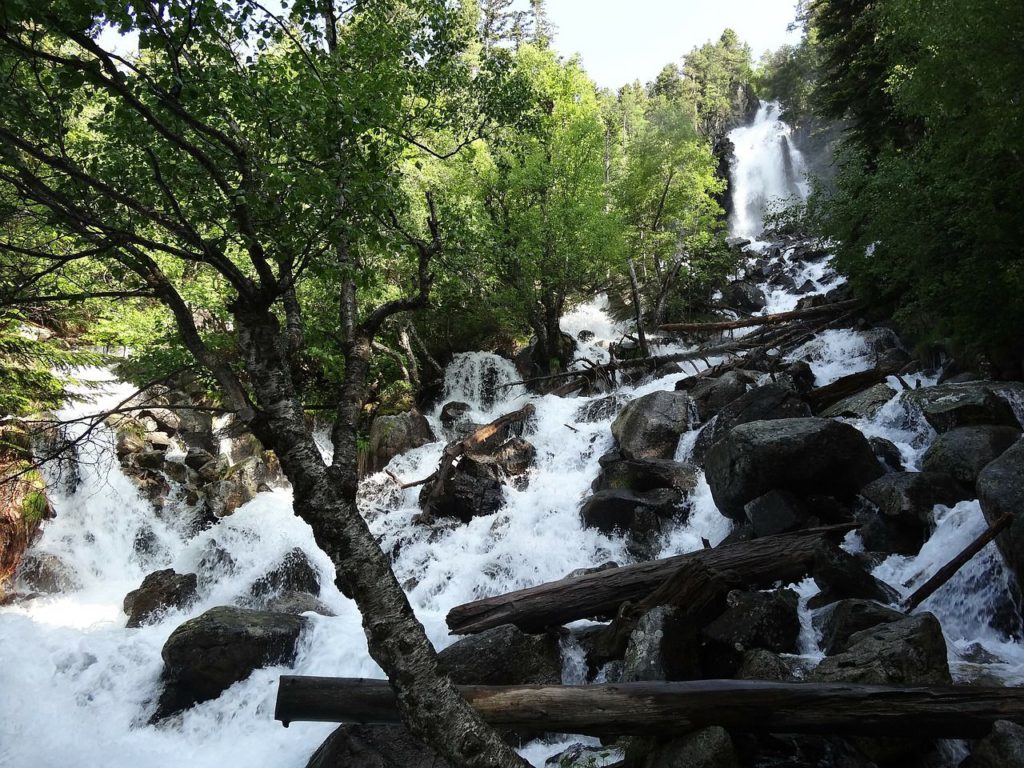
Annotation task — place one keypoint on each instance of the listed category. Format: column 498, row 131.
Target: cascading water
column 767, row 168
column 79, row 686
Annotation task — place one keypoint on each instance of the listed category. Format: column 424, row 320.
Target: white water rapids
column 77, row 686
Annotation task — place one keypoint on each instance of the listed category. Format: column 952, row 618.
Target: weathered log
column 786, row 557
column 749, row 322
column 671, row 708
column 946, row 572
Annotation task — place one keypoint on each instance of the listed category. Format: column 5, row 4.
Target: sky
column 625, row 40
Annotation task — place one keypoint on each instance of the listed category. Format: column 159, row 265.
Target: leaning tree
column 164, row 144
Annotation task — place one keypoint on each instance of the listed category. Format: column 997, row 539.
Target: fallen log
column 946, row 572
column 786, row 557
column 749, row 322
column 672, row 708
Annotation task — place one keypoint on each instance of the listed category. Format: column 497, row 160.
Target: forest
column 292, row 227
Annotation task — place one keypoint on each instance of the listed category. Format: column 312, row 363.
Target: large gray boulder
column 742, row 294
column 620, row 473
column 771, row 401
column 710, row 395
column 709, row 747
column 374, row 746
column 947, row 406
column 1002, row 748
column 963, row 452
column 159, row 592
column 650, row 426
column 211, row 652
column 393, row 435
column 474, row 489
column 766, row 620
column 863, row 405
column 295, row 573
column 806, row 456
column 504, row 655
column 904, row 502
column 911, row 651
column 1001, row 491
column 838, row 622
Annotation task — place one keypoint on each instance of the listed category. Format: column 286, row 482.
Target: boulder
column 904, row 502
column 619, row 473
column 808, row 455
column 964, row 451
column 840, row 575
column 947, row 406
column 512, row 458
column 196, row 458
column 223, row 497
column 580, row 755
column 601, row 409
column 776, row 512
column 650, row 426
column 504, row 655
column 838, row 622
column 47, row 573
column 1002, row 748
column 295, row 602
column 710, row 395
column 160, row 591
column 761, row 664
column 863, row 405
column 911, row 651
column 211, row 652
column 797, row 376
column 455, row 420
column 766, row 620
column 627, row 511
column 394, row 435
column 474, row 489
column 293, row 574
column 887, row 453
column 709, row 747
column 1001, row 491
column 744, row 295
column 374, row 746
column 771, row 401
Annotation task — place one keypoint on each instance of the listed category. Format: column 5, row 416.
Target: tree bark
column 787, row 557
column 638, row 311
column 665, row 709
column 749, row 322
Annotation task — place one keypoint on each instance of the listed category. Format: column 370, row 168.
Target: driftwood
column 673, row 708
column 946, row 572
column 483, row 440
column 787, row 557
column 749, row 322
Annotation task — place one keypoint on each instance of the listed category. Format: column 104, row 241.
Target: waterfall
column 767, row 167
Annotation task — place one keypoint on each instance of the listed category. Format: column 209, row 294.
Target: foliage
column 717, row 79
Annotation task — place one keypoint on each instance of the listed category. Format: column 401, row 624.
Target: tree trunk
column 325, row 498
column 638, row 311
column 787, row 557
column 666, row 709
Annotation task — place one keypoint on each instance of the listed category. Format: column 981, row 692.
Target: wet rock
column 1002, row 748
column 214, row 469
column 650, row 426
column 243, row 446
column 798, row 377
column 646, row 475
column 887, row 453
column 205, row 655
column 808, row 252
column 581, row 756
column 710, row 395
column 619, row 510
column 130, row 438
column 1001, row 491
column 737, row 243
column 47, row 573
column 807, row 286
column 761, row 664
column 394, row 435
column 964, row 451
column 293, row 574
column 196, row 458
column 763, row 403
column 474, row 489
column 504, row 655
column 947, row 406
column 148, row 460
column 709, row 747
column 863, row 405
column 840, row 575
column 904, row 502
column 838, row 622
column 601, row 409
column 808, row 455
column 512, row 458
column 766, row 620
column 455, row 420
column 160, row 591
column 374, row 746
column 607, row 565
column 776, row 512
column 223, row 497
column 295, row 602
column 585, row 335
column 744, row 295
column 910, row 651
column 814, row 300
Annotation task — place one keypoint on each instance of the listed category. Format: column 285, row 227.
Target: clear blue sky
column 625, row 40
